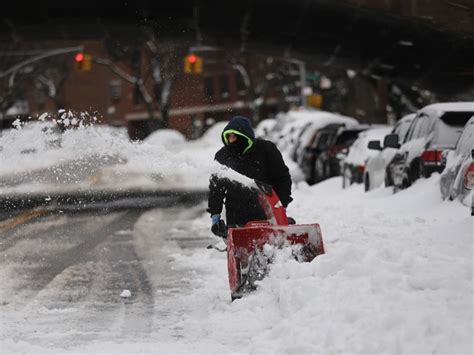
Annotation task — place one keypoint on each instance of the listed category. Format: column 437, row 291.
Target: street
column 65, row 273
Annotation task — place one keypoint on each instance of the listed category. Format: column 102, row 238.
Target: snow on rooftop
column 449, row 106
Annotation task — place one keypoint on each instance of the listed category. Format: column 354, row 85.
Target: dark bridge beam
column 390, row 40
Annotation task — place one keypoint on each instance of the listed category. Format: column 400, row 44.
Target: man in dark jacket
column 255, row 158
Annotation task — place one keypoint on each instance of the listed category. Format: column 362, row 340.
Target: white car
column 288, row 128
column 457, row 179
column 435, row 129
column 375, row 173
column 264, row 127
column 353, row 165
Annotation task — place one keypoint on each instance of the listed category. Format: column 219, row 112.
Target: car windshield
column 347, row 137
column 450, row 128
column 402, row 129
column 466, row 141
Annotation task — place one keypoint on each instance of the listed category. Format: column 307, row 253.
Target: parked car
column 318, row 143
column 328, row 163
column 289, row 127
column 436, row 128
column 353, row 165
column 264, row 127
column 376, row 172
column 457, row 180
column 309, row 132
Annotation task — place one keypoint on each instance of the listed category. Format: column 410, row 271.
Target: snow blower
column 250, row 248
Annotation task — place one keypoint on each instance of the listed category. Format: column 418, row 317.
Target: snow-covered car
column 318, row 142
column 170, row 139
column 435, row 129
column 329, row 158
column 309, row 133
column 457, row 180
column 289, row 127
column 353, row 165
column 376, row 172
column 264, row 127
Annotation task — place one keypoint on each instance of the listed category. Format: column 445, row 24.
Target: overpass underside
column 429, row 44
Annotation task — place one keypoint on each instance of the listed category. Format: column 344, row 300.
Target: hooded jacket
column 255, row 158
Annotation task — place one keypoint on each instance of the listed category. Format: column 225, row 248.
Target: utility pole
column 302, row 71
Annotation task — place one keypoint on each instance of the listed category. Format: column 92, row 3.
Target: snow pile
column 170, row 139
column 396, row 278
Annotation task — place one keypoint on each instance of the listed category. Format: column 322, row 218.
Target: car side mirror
column 391, row 141
column 375, row 145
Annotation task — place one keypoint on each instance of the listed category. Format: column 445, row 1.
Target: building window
column 209, row 88
column 115, row 89
column 224, row 86
column 240, row 84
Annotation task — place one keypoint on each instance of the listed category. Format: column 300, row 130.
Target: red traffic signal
column 83, row 61
column 192, row 58
column 79, row 57
column 192, row 64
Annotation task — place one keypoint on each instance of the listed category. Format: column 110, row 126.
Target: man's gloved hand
column 218, row 226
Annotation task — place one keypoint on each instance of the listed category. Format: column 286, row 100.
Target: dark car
column 318, row 143
column 308, row 132
column 457, row 180
column 328, row 163
column 435, row 129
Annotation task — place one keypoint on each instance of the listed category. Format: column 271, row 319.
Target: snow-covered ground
column 396, row 277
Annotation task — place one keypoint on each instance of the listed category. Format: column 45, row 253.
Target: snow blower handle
column 272, row 205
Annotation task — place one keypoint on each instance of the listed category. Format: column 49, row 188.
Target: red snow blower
column 250, row 249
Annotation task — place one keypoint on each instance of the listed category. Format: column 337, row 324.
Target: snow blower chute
column 249, row 249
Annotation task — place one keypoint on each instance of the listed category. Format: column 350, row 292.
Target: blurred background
column 185, row 65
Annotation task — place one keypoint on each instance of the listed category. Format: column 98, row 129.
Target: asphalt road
column 62, row 274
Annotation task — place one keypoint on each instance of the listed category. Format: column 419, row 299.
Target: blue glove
column 218, row 226
column 215, row 218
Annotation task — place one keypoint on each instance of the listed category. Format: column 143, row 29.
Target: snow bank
column 396, row 276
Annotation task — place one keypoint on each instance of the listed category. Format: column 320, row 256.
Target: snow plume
column 105, row 152
column 70, row 119
column 225, row 172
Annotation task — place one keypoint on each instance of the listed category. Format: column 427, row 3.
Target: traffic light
column 83, row 61
column 314, row 100
column 192, row 64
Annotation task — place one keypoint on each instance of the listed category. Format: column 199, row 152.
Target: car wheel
column 405, row 184
column 414, row 173
column 318, row 171
column 387, row 180
column 366, row 183
column 346, row 177
column 327, row 170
